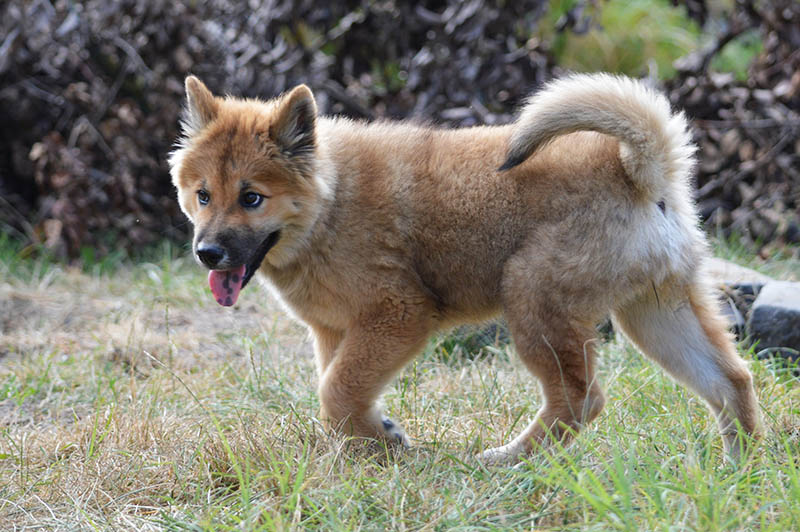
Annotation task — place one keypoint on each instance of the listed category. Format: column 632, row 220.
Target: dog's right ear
column 201, row 106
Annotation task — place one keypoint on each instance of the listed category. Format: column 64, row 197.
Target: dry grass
column 131, row 401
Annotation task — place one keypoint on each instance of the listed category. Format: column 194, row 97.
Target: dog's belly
column 463, row 286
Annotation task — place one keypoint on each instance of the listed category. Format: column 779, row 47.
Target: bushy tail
column 656, row 145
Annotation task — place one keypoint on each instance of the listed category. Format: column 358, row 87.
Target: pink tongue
column 226, row 284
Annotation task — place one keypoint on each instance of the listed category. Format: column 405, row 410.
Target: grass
column 628, row 37
column 129, row 400
column 737, row 55
column 641, row 37
column 778, row 262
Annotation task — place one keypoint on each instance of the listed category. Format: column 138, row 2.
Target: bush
column 93, row 91
column 748, row 130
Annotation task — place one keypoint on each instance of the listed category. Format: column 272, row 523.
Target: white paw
column 394, row 432
column 507, row 454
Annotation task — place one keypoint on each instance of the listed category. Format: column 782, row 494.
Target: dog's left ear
column 294, row 127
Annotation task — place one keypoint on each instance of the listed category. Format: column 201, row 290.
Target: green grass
column 129, row 400
column 639, row 37
column 779, row 262
column 737, row 55
column 628, row 37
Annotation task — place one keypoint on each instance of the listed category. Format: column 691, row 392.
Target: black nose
column 210, row 255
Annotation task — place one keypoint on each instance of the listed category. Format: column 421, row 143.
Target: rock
column 735, row 316
column 739, row 286
column 785, row 353
column 725, row 272
column 605, row 330
column 761, row 310
column 737, row 300
column 473, row 339
column 775, row 317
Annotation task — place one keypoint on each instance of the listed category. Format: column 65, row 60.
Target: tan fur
column 391, row 231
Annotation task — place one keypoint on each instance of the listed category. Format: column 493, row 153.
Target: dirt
column 118, row 321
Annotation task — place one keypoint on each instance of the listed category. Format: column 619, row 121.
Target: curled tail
column 656, row 147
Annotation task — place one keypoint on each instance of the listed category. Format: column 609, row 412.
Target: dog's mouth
column 226, row 284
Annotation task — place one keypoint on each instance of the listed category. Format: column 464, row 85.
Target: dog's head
column 246, row 176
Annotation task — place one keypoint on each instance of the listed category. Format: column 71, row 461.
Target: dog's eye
column 203, row 197
column 251, row 200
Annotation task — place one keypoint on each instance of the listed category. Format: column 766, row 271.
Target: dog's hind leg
column 678, row 325
column 561, row 355
column 559, row 350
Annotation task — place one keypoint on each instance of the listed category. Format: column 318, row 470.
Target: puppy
column 376, row 235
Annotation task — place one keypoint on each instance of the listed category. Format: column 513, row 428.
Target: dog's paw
column 505, row 455
column 394, row 432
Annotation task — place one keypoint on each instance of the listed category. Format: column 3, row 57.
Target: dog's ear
column 201, row 106
column 293, row 129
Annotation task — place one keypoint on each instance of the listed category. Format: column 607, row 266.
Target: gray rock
column 786, row 353
column 725, row 272
column 738, row 287
column 472, row 339
column 775, row 317
column 737, row 300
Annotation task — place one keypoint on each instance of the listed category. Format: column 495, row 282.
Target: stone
column 725, row 272
column 737, row 300
column 786, row 353
column 738, row 288
column 775, row 317
column 473, row 339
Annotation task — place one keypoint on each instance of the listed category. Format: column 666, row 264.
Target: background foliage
column 90, row 91
column 129, row 400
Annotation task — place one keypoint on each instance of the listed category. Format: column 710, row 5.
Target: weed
column 217, row 429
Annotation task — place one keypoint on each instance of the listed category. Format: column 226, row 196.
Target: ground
column 130, row 400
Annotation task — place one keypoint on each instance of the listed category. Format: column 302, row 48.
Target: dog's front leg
column 326, row 340
column 372, row 351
